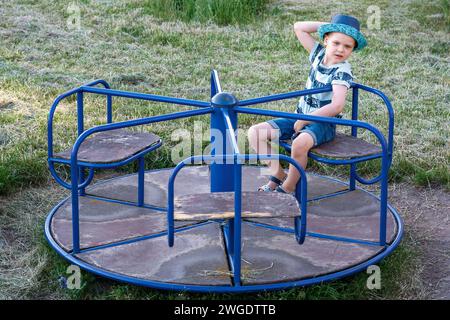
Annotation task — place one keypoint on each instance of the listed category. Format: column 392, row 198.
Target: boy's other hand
column 298, row 125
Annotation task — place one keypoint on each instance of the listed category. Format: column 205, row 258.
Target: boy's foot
column 281, row 190
column 273, row 183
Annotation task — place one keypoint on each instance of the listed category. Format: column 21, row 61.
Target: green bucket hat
column 345, row 24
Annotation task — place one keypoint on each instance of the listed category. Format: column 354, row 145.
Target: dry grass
column 24, row 258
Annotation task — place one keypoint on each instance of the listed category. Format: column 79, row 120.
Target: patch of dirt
column 426, row 215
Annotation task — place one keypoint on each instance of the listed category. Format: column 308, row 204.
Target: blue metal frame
column 226, row 175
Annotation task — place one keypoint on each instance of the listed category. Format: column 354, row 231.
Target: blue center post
column 226, row 176
column 222, row 173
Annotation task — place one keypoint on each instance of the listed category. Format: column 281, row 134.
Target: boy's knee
column 258, row 131
column 302, row 144
column 251, row 130
column 252, row 133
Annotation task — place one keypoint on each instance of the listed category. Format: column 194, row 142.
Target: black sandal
column 278, row 182
column 280, row 189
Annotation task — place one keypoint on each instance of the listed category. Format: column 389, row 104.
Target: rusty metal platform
column 344, row 146
column 112, row 146
column 220, row 205
column 127, row 242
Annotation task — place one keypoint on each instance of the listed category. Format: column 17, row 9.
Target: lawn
column 44, row 53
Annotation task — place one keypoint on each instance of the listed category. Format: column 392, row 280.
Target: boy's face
column 339, row 47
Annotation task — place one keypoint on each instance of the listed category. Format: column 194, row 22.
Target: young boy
column 328, row 66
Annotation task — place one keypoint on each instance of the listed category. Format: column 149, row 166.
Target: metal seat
column 220, row 205
column 344, row 146
column 112, row 146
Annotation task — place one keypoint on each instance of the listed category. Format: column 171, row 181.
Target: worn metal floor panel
column 354, row 214
column 198, row 257
column 220, row 205
column 273, row 256
column 106, row 222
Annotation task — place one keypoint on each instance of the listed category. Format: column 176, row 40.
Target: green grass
column 445, row 5
column 221, row 12
column 136, row 48
column 434, row 14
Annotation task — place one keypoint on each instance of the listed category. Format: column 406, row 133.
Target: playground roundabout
column 202, row 225
column 128, row 243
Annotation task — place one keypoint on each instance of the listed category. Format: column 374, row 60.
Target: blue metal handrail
column 88, row 87
column 234, row 248
column 300, row 116
column 109, row 93
column 108, row 97
column 51, row 115
column 146, row 96
column 301, row 188
column 284, row 96
column 134, row 123
column 353, row 174
column 328, row 88
column 107, row 127
column 389, row 108
column 215, row 83
column 56, row 102
column 345, row 122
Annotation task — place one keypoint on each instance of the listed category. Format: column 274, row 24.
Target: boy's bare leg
column 260, row 136
column 299, row 152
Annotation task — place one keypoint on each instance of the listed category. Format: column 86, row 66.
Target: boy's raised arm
column 303, row 30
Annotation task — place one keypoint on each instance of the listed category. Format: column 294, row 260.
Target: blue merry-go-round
column 205, row 227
